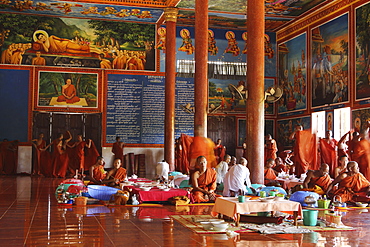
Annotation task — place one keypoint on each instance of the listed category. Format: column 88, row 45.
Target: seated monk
column 203, row 181
column 117, row 175
column 281, row 166
column 97, row 172
column 269, row 173
column 352, row 185
column 318, row 181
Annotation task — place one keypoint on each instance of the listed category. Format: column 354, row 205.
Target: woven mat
column 187, row 221
column 329, row 229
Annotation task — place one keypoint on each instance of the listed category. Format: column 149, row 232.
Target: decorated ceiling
column 222, row 13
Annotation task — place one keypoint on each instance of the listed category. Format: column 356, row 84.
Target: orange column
column 255, row 85
column 201, row 68
column 169, row 119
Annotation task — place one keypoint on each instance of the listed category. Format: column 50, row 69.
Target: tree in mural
column 132, row 36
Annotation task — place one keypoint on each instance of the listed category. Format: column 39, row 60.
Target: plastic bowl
column 206, row 225
column 220, row 227
column 100, row 192
column 216, row 221
column 145, row 188
column 361, row 204
column 279, row 198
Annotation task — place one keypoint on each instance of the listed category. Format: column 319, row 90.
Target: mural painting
column 360, row 118
column 228, row 96
column 292, row 75
column 362, row 52
column 269, row 129
column 67, row 42
column 286, row 127
column 226, row 52
column 59, row 89
column 330, row 62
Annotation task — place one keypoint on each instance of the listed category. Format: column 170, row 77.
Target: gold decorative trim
column 170, row 14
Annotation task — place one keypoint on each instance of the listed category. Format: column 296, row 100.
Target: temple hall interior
column 146, row 79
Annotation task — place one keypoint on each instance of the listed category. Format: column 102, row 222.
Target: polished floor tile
column 31, row 216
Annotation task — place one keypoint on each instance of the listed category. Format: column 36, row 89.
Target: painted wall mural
column 60, row 89
column 70, row 42
column 359, row 119
column 292, row 75
column 224, row 46
column 330, row 62
column 362, row 52
column 286, row 127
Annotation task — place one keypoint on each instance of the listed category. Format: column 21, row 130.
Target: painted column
column 255, row 111
column 201, row 68
column 170, row 83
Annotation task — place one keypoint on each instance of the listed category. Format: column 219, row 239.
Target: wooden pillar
column 255, row 111
column 170, row 83
column 201, row 68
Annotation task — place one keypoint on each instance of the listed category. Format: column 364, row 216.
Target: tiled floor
column 30, row 216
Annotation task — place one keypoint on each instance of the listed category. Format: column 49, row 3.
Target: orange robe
column 358, row 184
column 91, row 154
column 69, row 91
column 361, row 154
column 270, row 150
column 10, row 157
column 323, row 182
column 206, row 181
column 329, row 155
column 42, row 161
column 186, row 141
column 118, row 151
column 269, row 174
column 120, row 174
column 220, row 152
column 202, row 146
column 281, row 168
column 305, row 152
column 36, row 169
column 99, row 173
column 60, row 160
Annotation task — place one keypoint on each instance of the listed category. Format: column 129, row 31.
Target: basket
column 81, row 201
column 100, row 192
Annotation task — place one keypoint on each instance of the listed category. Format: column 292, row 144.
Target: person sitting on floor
column 221, row 169
column 270, row 173
column 117, row 175
column 232, row 162
column 97, row 172
column 237, row 179
column 318, row 180
column 203, row 181
column 342, row 166
column 352, row 185
column 281, row 166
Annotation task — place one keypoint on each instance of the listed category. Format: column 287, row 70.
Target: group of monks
column 66, row 158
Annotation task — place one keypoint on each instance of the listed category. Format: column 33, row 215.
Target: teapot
column 310, row 200
column 335, row 202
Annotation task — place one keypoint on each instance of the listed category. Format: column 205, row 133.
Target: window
column 342, row 122
column 318, row 123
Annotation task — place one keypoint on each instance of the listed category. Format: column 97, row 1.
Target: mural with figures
column 360, row 119
column 292, row 74
column 286, row 127
column 227, row 52
column 70, row 42
column 330, row 62
column 362, row 52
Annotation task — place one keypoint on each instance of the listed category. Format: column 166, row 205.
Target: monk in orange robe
column 352, row 185
column 202, row 146
column 270, row 148
column 269, row 173
column 318, row 180
column 117, row 149
column 185, row 142
column 9, row 152
column 328, row 151
column 60, row 157
column 280, row 166
column 39, row 144
column 117, row 175
column 97, row 172
column 203, row 181
column 305, row 150
column 220, row 151
column 78, row 156
column 68, row 93
column 361, row 154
